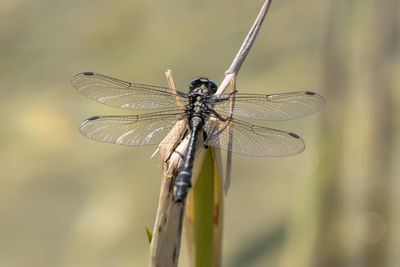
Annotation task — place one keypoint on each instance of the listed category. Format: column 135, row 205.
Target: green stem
column 203, row 193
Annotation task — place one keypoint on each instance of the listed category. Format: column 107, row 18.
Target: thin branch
column 230, row 78
column 230, row 141
column 171, row 84
column 244, row 49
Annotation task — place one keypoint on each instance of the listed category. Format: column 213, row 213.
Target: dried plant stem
column 167, row 232
column 230, row 143
column 232, row 72
column 165, row 244
column 244, row 49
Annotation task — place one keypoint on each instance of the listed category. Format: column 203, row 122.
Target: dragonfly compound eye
column 194, row 83
column 212, row 85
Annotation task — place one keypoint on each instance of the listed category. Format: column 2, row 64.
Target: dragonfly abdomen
column 183, row 180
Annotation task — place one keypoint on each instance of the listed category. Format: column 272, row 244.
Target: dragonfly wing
column 273, row 107
column 252, row 140
column 132, row 130
column 121, row 94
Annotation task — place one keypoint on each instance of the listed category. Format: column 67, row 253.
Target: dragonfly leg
column 183, row 134
column 177, row 143
column 218, row 116
column 224, row 98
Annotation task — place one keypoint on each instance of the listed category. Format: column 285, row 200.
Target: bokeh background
column 66, row 200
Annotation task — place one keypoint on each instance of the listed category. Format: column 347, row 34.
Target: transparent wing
column 252, row 140
column 132, row 130
column 284, row 106
column 117, row 93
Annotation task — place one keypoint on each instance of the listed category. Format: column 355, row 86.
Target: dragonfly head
column 203, row 82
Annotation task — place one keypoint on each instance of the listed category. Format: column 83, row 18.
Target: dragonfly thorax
column 200, row 91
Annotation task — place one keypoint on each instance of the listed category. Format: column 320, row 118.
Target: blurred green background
column 66, row 200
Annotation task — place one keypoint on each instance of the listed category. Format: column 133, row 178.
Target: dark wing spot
column 269, row 97
column 294, row 135
column 93, row 118
column 309, row 93
column 88, row 73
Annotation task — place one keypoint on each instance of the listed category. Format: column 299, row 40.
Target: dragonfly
column 203, row 113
